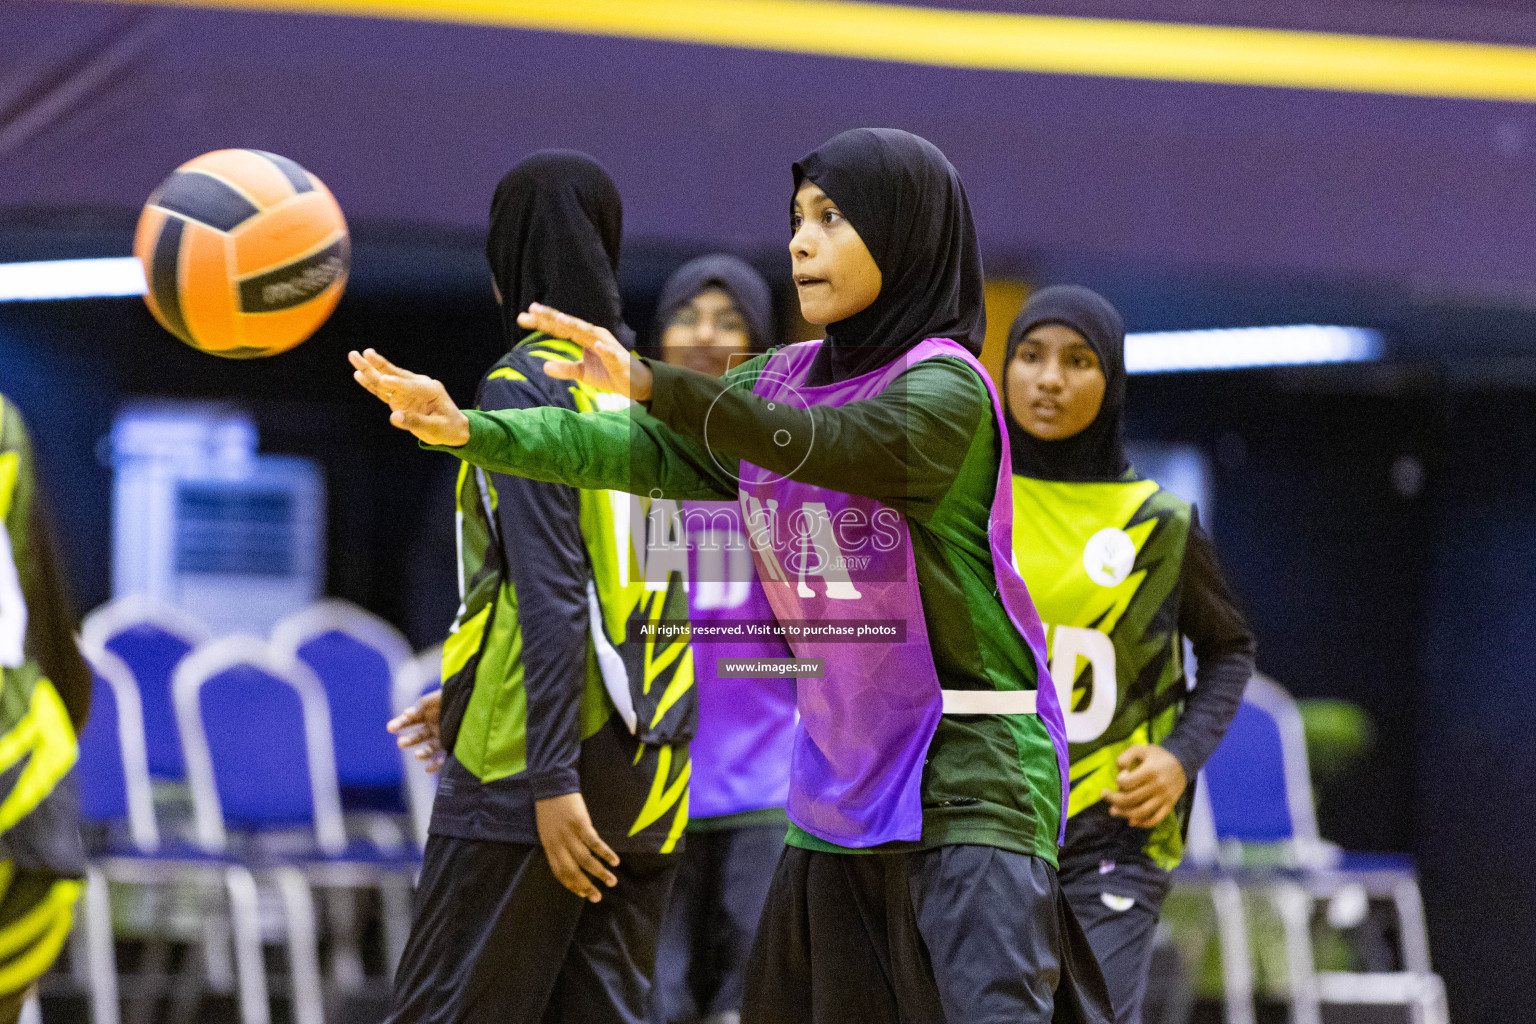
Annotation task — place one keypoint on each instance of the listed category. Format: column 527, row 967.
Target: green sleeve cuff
column 478, row 427
column 665, row 387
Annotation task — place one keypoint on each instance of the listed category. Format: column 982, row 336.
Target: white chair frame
column 121, row 613
column 334, row 615
column 294, row 884
column 96, row 937
column 289, row 636
column 1416, row 987
column 1202, row 854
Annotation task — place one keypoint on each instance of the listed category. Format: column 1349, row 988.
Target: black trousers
column 711, row 921
column 496, row 938
column 1118, row 903
column 953, row 935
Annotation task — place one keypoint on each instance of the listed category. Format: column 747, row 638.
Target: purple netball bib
column 746, row 730
column 836, row 565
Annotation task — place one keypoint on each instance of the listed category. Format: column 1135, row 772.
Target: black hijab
column 1097, row 452
column 556, row 222
column 907, row 203
column 745, row 286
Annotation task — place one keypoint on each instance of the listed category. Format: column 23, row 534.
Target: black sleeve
column 902, row 447
column 1224, row 649
column 540, row 527
column 51, row 621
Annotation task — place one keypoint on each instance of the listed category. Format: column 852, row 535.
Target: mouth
column 807, row 281
column 1045, row 410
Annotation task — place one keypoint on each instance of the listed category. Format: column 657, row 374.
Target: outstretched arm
column 621, row 450
column 903, row 447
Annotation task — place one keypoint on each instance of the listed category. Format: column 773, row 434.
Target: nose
column 1050, row 378
column 800, row 243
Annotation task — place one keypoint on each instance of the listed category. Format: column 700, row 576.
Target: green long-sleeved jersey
column 928, row 448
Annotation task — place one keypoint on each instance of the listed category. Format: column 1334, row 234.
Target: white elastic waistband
column 989, row 702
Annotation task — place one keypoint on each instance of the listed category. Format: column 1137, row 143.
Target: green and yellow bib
column 1103, row 562
column 649, row 683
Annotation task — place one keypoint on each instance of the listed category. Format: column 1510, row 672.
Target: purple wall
column 415, row 122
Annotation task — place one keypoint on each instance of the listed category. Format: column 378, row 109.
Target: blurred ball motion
column 245, row 252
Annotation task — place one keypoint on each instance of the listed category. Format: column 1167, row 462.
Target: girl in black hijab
column 556, row 223
column 1111, row 556
column 924, row 890
column 546, row 873
column 711, row 313
column 910, row 209
column 1097, row 451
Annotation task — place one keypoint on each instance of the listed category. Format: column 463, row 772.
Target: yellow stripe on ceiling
column 997, row 42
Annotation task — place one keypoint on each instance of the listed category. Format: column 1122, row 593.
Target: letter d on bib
column 1068, row 643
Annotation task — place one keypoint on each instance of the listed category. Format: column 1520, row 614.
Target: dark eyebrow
column 822, row 200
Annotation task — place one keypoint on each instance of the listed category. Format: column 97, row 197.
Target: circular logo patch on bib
column 1109, row 556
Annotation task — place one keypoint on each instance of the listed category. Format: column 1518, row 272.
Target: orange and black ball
column 245, row 253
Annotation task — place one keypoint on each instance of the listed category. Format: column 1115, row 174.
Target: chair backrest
column 151, row 639
column 355, row 654
column 113, row 769
column 257, row 736
column 1258, row 779
column 420, row 675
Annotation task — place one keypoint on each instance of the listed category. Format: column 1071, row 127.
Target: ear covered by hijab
column 556, row 223
column 1097, row 452
column 734, row 276
column 905, row 199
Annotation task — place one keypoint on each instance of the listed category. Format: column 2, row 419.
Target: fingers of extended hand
column 562, row 369
column 384, row 366
column 366, row 375
column 552, row 321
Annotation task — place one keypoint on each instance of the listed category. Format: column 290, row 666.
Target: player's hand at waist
column 417, row 402
column 605, row 364
column 573, row 845
column 1150, row 782
column 416, row 727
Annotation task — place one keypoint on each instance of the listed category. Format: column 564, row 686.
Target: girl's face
column 1055, row 385
column 835, row 276
column 705, row 333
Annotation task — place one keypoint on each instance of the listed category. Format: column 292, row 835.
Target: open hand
column 1150, row 782
column 605, row 364
column 417, row 402
column 416, row 727
column 573, row 845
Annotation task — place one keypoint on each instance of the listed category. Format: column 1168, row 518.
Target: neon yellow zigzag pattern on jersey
column 663, row 796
